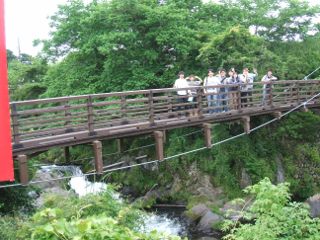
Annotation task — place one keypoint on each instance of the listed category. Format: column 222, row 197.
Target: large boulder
column 197, row 212
column 314, row 203
column 209, row 222
column 233, row 210
column 245, row 180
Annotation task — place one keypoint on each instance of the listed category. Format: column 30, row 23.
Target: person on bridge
column 213, row 97
column 267, row 79
column 193, row 81
column 233, row 79
column 183, row 94
column 246, row 79
column 223, row 97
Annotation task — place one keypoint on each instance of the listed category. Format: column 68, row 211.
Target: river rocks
column 314, row 203
column 280, row 171
column 208, row 222
column 197, row 184
column 48, row 185
column 245, row 180
column 198, row 211
column 233, row 210
column 204, row 219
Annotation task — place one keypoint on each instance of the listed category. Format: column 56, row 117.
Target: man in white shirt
column 181, row 82
column 213, row 100
column 247, row 79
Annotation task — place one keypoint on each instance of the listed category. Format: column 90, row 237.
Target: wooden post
column 23, row 169
column 246, row 124
column 90, row 116
column 207, row 134
column 66, row 153
column 158, row 135
column 67, row 115
column 271, row 95
column 98, row 161
column 199, row 102
column 151, row 109
column 120, row 145
column 239, row 98
column 277, row 114
column 15, row 124
column 164, row 136
column 124, row 108
column 305, row 109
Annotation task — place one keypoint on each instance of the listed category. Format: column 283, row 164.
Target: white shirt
column 248, row 80
column 212, row 81
column 181, row 83
column 266, row 79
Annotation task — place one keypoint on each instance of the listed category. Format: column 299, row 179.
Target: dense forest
column 117, row 45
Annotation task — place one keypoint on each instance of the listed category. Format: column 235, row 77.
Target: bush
column 272, row 216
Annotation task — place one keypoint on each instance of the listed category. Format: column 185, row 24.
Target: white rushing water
column 82, row 186
column 163, row 223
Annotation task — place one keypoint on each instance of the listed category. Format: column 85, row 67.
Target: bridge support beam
column 98, row 160
column 207, row 134
column 23, row 169
column 159, row 138
column 305, row 109
column 277, row 115
column 164, row 136
column 120, row 145
column 66, row 153
column 246, row 124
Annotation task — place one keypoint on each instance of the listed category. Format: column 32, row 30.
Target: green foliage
column 90, row 217
column 15, row 199
column 277, row 19
column 25, row 75
column 237, row 48
column 272, row 216
column 123, row 45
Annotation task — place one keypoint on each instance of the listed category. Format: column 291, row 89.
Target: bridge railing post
column 15, row 124
column 199, row 102
column 123, row 108
column 271, row 94
column 238, row 97
column 90, row 116
column 67, row 115
column 151, row 108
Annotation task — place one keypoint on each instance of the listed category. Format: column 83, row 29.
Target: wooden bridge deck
column 38, row 125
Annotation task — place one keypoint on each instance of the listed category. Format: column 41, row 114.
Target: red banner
column 6, row 161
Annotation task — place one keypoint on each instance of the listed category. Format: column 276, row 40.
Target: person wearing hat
column 181, row 82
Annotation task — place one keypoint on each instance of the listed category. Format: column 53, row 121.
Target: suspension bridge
column 39, row 125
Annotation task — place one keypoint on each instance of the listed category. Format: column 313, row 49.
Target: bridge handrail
column 54, row 120
column 156, row 90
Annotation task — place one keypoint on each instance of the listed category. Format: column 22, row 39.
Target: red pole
column 6, row 161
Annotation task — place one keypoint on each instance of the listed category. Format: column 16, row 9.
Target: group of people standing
column 220, row 96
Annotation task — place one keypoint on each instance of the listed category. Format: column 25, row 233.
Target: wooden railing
column 40, row 124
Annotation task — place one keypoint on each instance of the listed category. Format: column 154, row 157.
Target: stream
column 166, row 219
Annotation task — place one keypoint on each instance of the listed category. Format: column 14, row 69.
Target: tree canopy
column 116, row 45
